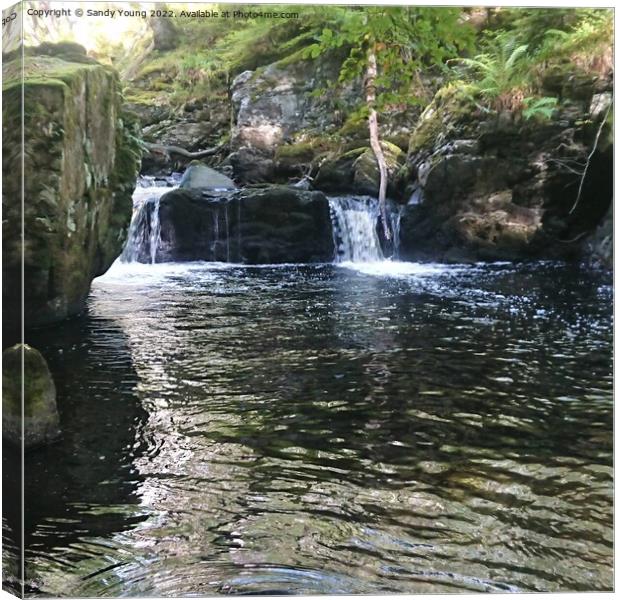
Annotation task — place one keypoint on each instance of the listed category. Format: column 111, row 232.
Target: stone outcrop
column 271, row 224
column 274, row 104
column 481, row 187
column 41, row 423
column 599, row 248
column 81, row 159
column 195, row 128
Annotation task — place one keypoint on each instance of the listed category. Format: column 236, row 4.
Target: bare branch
column 583, row 175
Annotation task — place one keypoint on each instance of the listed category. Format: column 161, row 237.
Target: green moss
column 38, row 385
column 303, row 151
column 355, row 153
column 354, row 127
column 295, row 57
column 366, row 168
column 43, row 71
column 451, row 104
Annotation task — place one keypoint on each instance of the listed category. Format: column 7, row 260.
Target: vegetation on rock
column 81, row 156
column 41, row 422
column 286, row 100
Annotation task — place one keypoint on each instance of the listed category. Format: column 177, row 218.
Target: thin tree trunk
column 373, row 126
column 585, row 170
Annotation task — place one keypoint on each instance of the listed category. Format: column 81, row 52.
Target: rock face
column 481, row 188
column 81, row 163
column 165, row 34
column 599, row 248
column 41, row 423
column 273, row 104
column 273, row 224
column 197, row 128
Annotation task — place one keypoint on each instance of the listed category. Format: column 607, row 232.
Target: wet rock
column 271, row 224
column 600, row 104
column 81, row 159
column 41, row 424
column 251, row 166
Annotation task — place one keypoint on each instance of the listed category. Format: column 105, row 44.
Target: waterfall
column 354, row 221
column 144, row 231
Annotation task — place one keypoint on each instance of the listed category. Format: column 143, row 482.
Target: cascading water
column 355, row 229
column 354, row 221
column 144, row 231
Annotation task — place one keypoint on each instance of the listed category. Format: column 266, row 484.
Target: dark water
column 325, row 430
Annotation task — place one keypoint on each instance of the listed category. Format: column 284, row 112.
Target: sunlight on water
column 389, row 268
column 386, row 427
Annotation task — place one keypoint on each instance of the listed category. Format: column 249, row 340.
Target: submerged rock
column 273, row 224
column 41, row 423
column 81, row 159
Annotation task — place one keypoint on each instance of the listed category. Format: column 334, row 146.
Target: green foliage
column 504, row 64
column 539, row 108
column 405, row 40
column 502, row 74
column 587, row 45
column 509, row 72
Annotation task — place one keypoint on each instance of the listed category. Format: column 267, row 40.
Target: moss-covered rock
column 491, row 186
column 41, row 422
column 450, row 107
column 81, row 159
column 357, row 170
column 366, row 176
column 293, row 157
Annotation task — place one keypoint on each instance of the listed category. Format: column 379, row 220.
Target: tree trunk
column 373, row 126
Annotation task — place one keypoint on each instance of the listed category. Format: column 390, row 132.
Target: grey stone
column 198, row 176
column 599, row 105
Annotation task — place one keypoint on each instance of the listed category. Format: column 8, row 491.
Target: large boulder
column 273, row 224
column 81, row 159
column 41, row 423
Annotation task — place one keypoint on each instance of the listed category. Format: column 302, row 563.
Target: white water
column 145, row 230
column 354, row 230
column 354, row 222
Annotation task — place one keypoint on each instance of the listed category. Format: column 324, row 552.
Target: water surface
column 375, row 428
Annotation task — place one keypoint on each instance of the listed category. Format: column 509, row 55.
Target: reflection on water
column 322, row 429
